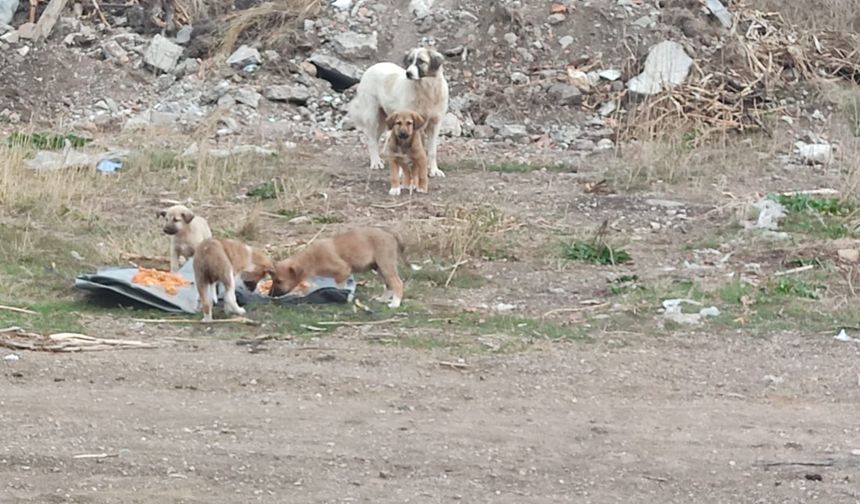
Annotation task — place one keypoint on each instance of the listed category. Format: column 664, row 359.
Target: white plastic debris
column 667, row 65
column 843, row 336
column 815, row 153
column 12, row 357
column 769, row 213
column 673, row 311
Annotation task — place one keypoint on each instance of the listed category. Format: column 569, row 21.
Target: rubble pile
column 520, row 71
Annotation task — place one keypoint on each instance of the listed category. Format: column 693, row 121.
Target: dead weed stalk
column 270, row 22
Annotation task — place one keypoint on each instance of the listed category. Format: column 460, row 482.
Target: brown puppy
column 227, row 261
column 406, row 151
column 355, row 251
column 186, row 231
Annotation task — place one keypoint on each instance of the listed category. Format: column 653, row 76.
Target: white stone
column 667, row 65
column 162, row 54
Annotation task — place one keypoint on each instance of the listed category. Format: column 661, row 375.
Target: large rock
column 162, row 54
column 244, row 56
column 565, row 94
column 451, row 126
column 285, row 93
column 667, row 65
column 247, row 96
column 353, row 45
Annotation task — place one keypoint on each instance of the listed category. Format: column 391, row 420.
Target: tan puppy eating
column 227, row 261
column 186, row 231
column 355, row 251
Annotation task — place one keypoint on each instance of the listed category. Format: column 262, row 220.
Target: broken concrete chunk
column 720, row 12
column 285, row 93
column 667, row 65
column 451, row 126
column 814, row 153
column 244, row 56
column 356, row 45
column 162, row 54
column 566, row 94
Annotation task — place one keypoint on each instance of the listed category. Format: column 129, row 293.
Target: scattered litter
column 108, row 165
column 814, row 153
column 70, row 158
column 19, row 339
column 673, row 311
column 12, row 358
column 843, row 336
column 504, row 307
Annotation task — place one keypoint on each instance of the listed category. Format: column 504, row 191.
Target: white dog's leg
column 376, row 162
column 230, row 303
column 432, row 142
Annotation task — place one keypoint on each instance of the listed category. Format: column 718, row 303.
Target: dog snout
column 170, row 229
column 412, row 73
column 276, row 291
column 403, row 135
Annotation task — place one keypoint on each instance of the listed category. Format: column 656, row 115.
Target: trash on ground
column 814, row 153
column 769, row 213
column 70, row 158
column 120, row 281
column 843, row 336
column 673, row 311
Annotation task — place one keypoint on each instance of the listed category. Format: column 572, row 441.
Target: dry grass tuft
column 734, row 87
column 473, row 231
column 270, row 22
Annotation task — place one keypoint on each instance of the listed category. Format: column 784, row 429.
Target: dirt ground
column 579, row 395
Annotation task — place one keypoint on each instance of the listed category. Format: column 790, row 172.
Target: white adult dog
column 387, row 87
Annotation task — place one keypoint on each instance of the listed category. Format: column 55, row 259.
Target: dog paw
column 436, row 172
column 394, row 191
column 422, row 191
column 377, row 164
column 206, row 319
column 395, row 302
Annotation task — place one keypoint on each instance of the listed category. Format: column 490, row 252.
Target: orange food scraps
column 164, row 279
column 264, row 287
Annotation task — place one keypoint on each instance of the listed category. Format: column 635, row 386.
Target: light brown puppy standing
column 227, row 261
column 355, row 251
column 186, row 231
column 406, row 151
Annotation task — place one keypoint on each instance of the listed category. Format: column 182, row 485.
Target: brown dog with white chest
column 227, row 261
column 406, row 151
column 355, row 251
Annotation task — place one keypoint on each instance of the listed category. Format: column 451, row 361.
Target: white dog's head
column 422, row 62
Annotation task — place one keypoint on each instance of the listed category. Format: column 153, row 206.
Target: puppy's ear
column 436, row 61
column 161, row 214
column 188, row 216
column 418, row 120
column 296, row 270
column 389, row 121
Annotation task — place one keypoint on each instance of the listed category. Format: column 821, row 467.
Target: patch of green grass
column 799, row 203
column 734, row 292
column 594, row 253
column 266, row 190
column 624, row 283
column 794, row 287
column 47, row 141
column 521, row 167
column 436, row 277
column 328, row 218
column 815, row 225
column 289, row 213
column 52, row 317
